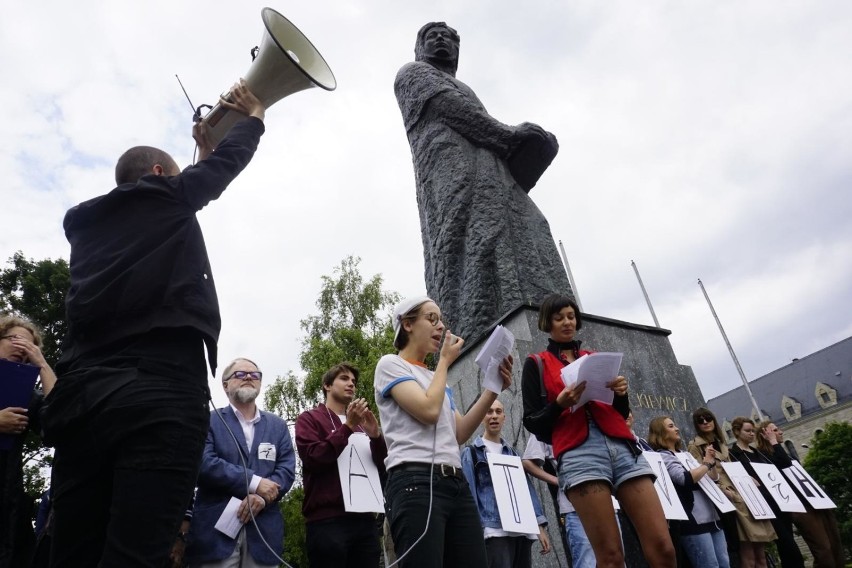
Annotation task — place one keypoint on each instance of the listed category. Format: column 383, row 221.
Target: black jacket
column 138, row 259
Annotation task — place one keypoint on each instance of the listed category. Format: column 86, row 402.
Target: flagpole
column 645, row 293
column 570, row 276
column 733, row 355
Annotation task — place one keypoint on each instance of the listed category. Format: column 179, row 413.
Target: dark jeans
column 124, row 470
column 454, row 537
column 508, row 552
column 346, row 542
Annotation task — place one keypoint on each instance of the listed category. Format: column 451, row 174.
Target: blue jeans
column 707, row 550
column 582, row 555
column 454, row 537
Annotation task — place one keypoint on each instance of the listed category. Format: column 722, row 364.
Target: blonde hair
column 9, row 321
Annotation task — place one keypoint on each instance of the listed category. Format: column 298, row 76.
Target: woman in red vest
column 596, row 451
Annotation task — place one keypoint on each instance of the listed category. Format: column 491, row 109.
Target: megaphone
column 286, row 62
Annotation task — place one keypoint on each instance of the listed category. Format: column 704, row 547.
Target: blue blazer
column 223, row 476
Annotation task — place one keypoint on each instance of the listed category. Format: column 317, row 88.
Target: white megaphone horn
column 286, row 62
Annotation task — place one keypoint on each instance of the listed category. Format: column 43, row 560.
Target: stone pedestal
column 658, row 385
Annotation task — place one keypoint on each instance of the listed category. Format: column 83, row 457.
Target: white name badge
column 266, row 451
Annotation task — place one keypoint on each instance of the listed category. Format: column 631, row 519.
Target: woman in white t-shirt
column 423, row 430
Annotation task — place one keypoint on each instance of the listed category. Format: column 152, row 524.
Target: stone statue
column 487, row 247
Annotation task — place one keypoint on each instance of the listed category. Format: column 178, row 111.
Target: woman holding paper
column 701, row 536
column 596, row 451
column 433, row 518
column 745, row 432
column 817, row 526
column 20, row 342
column 751, row 535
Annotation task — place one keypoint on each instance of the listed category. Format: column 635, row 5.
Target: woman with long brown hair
column 745, row 432
column 751, row 534
column 817, row 526
column 700, row 536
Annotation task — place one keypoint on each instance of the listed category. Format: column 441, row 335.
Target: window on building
column 791, row 408
column 825, row 395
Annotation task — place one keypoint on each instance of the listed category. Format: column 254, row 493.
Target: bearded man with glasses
column 249, row 457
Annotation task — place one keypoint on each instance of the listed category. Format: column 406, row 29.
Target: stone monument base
column 658, row 385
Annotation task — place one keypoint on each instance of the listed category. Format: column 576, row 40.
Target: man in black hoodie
column 128, row 417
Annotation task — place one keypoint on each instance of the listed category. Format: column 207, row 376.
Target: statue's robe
column 487, row 247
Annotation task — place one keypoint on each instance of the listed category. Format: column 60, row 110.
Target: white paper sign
column 359, row 477
column 707, row 485
column 664, row 485
column 229, row 523
column 597, row 370
column 806, row 485
column 778, row 487
column 498, row 347
column 513, row 494
column 747, row 488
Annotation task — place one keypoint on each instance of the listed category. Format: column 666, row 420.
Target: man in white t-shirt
column 504, row 549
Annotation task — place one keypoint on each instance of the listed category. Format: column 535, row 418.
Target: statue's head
column 438, row 44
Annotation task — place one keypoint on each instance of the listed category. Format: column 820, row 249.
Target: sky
column 707, row 140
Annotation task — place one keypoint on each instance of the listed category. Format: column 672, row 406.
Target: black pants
column 351, row 541
column 508, row 552
column 455, row 535
column 125, row 468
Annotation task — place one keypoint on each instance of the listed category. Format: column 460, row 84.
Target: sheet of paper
column 229, row 523
column 597, row 370
column 18, row 380
column 359, row 477
column 707, row 485
column 499, row 345
column 747, row 488
column 808, row 487
column 778, row 488
column 514, row 502
column 665, row 487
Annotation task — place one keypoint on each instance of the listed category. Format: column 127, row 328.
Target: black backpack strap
column 540, row 363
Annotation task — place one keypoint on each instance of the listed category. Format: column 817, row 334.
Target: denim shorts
column 601, row 458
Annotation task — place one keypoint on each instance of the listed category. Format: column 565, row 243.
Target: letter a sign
column 359, row 477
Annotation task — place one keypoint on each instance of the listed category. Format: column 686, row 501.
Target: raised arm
column 425, row 405
column 466, row 424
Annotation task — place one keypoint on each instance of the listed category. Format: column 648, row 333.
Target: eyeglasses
column 242, row 375
column 432, row 318
column 704, row 419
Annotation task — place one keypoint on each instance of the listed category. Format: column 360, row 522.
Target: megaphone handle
column 197, row 116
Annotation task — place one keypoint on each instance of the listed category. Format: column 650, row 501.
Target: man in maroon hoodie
column 333, row 536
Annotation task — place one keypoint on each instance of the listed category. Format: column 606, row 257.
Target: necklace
column 333, row 427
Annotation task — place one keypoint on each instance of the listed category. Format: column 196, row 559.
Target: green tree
column 353, row 324
column 36, row 290
column 830, row 464
column 295, row 552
